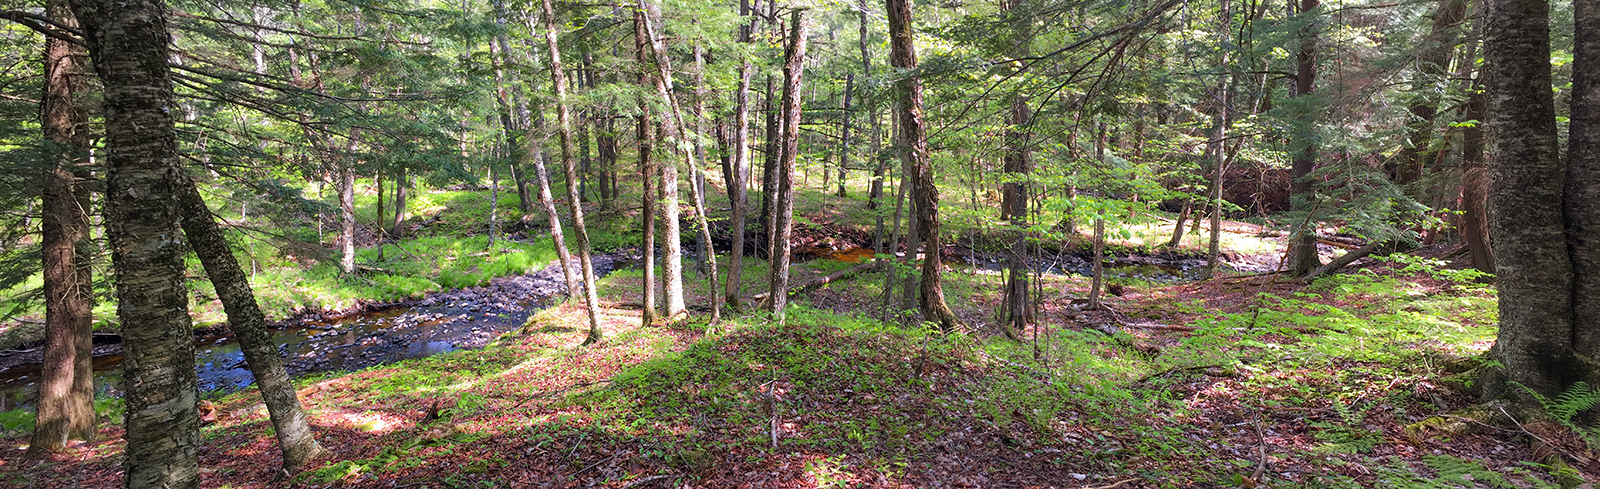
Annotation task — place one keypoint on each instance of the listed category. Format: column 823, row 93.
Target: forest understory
column 1245, row 380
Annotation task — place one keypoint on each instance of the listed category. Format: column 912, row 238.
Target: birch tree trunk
column 129, row 43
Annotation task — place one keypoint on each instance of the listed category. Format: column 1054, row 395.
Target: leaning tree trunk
column 129, row 44
column 574, row 194
column 249, row 326
column 66, row 386
column 903, row 55
column 778, row 276
column 532, row 155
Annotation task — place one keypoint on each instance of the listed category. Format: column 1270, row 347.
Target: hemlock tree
column 129, row 44
column 914, row 138
column 783, row 209
column 1544, row 213
column 66, row 388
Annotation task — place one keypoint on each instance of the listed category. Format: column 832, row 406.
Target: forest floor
column 1240, row 381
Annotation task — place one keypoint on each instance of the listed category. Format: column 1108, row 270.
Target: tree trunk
column 903, row 55
column 1429, row 78
column 347, row 215
column 66, row 386
column 1303, row 248
column 1581, row 204
column 741, row 164
column 1475, row 185
column 574, row 194
column 128, row 41
column 679, row 130
column 769, row 174
column 249, row 326
column 1177, row 228
column 1536, row 341
column 531, row 154
column 647, row 178
column 494, row 205
column 783, row 211
column 844, row 134
column 401, row 185
column 890, row 273
column 1099, row 264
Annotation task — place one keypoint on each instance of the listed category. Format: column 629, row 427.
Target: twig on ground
column 650, row 479
column 1530, row 433
column 1173, row 370
column 596, row 464
column 1039, row 373
column 1114, row 485
column 556, row 393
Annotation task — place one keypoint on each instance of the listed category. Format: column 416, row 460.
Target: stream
column 460, row 319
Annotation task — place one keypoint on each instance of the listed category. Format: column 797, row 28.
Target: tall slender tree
column 1302, row 256
column 574, row 194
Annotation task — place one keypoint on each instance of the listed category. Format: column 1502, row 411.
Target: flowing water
column 447, row 321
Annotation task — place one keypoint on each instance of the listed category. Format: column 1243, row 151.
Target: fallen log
column 1344, row 260
column 830, row 278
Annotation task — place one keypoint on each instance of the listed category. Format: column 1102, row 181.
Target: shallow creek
column 441, row 322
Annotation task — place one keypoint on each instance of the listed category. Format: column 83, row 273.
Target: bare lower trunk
column 647, row 179
column 1177, row 229
column 347, row 218
column 1099, row 264
column 401, row 185
column 1475, row 188
column 736, row 188
column 890, row 274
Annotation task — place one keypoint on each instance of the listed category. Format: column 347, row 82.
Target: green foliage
column 16, row 422
column 1577, row 398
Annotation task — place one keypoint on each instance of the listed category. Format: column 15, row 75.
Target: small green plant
column 15, row 422
column 1578, row 397
column 1348, row 435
